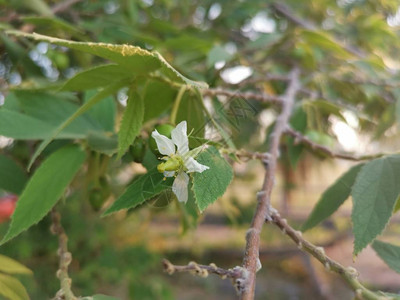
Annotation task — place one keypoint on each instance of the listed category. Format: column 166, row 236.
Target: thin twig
column 200, row 270
column 236, row 274
column 349, row 274
column 266, row 78
column 251, row 258
column 247, row 155
column 65, row 293
column 299, row 138
column 245, row 95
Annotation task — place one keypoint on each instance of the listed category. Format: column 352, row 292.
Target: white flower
column 178, row 161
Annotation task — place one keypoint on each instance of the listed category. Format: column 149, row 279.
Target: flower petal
column 169, row 173
column 164, row 144
column 180, row 187
column 180, row 138
column 193, row 166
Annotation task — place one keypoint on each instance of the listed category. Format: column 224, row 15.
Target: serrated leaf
column 131, row 121
column 12, row 288
column 131, row 57
column 84, row 108
column 12, row 176
column 389, row 253
column 10, row 266
column 45, row 188
column 144, row 188
column 96, row 77
column 374, row 196
column 332, row 198
column 134, row 58
column 211, row 184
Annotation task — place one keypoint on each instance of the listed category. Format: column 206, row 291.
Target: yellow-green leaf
column 11, row 288
column 10, row 266
column 131, row 121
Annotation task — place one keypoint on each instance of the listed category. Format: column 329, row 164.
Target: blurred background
column 235, row 45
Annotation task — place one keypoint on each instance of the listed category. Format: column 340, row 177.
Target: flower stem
column 177, row 102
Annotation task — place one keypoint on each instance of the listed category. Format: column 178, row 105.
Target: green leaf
column 389, row 253
column 374, row 196
column 45, row 188
column 131, row 121
column 103, row 143
column 135, row 59
column 11, row 288
column 144, row 188
column 54, row 109
column 84, row 108
column 154, row 92
column 217, row 54
column 191, row 110
column 131, row 57
column 299, row 122
column 211, row 184
column 10, row 266
column 397, row 205
column 36, row 115
column 12, row 176
column 22, row 127
column 325, row 41
column 96, row 77
column 54, row 24
column 103, row 112
column 332, row 198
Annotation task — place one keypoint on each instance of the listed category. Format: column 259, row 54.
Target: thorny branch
column 348, row 274
column 299, row 138
column 251, row 259
column 65, row 293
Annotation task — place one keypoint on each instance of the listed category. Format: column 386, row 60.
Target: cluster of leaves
column 62, row 116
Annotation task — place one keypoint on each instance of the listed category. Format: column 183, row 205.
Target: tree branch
column 65, row 293
column 251, row 258
column 349, row 274
column 299, row 138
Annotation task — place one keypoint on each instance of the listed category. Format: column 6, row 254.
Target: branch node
column 353, row 272
column 300, row 245
column 241, row 282
column 327, row 266
column 320, row 250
